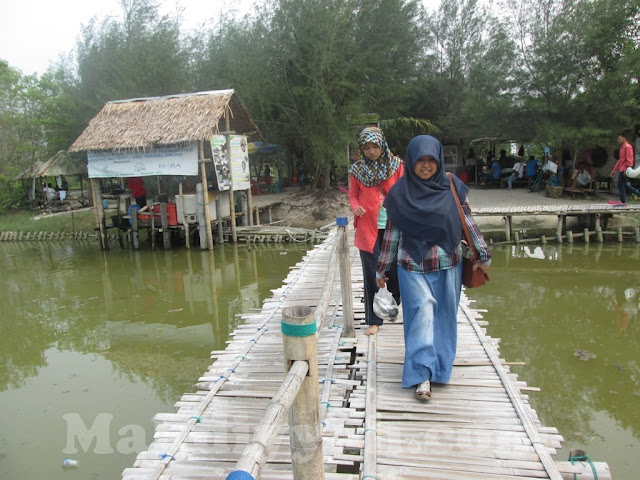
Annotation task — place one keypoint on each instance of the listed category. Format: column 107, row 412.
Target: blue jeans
column 622, row 187
column 633, row 190
column 429, row 310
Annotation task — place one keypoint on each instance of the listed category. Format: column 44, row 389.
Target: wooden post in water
column 185, row 224
column 599, row 237
column 569, row 236
column 305, row 431
column 200, row 215
column 205, row 197
column 344, row 258
column 135, row 239
column 232, row 203
column 559, row 229
column 636, row 233
column 586, row 235
column 507, row 227
column 620, row 238
column 99, row 211
column 219, row 220
column 166, row 234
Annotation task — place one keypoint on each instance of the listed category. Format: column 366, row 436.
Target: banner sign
column 180, row 159
column 236, row 170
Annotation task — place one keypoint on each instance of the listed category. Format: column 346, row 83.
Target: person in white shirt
column 518, row 171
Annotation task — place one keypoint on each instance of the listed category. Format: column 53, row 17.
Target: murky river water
column 94, row 344
column 571, row 313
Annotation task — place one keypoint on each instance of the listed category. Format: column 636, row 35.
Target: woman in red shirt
column 370, row 178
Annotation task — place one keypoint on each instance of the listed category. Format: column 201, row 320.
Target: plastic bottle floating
column 68, row 464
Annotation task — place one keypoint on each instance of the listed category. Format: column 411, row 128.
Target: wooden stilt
column 599, row 237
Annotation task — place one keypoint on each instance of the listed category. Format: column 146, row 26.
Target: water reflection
column 124, row 333
column 563, row 305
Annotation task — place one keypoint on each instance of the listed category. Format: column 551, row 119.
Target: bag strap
column 465, row 228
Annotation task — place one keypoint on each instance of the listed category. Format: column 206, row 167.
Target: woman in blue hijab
column 424, row 230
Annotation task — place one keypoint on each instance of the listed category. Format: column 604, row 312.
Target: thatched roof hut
column 31, row 171
column 142, row 123
column 62, row 163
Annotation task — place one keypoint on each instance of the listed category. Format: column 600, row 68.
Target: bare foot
column 372, row 330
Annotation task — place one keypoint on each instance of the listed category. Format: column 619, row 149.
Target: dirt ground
column 315, row 208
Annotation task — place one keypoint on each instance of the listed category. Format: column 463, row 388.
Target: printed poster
column 180, row 159
column 234, row 167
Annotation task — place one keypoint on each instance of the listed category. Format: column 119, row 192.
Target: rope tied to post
column 293, row 330
column 583, row 458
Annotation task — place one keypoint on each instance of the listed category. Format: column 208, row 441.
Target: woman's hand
column 380, row 282
column 359, row 211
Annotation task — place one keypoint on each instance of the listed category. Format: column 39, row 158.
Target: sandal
column 423, row 391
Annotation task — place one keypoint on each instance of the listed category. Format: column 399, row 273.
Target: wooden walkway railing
column 480, row 426
column 597, row 212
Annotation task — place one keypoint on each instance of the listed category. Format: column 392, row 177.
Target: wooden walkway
column 479, row 426
column 568, row 209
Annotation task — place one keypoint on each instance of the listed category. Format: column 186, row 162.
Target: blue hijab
column 425, row 211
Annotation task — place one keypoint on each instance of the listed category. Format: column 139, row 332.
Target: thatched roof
column 31, row 171
column 62, row 164
column 142, row 123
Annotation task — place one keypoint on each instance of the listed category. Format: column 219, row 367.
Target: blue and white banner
column 167, row 160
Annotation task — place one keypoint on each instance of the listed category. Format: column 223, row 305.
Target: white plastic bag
column 384, row 305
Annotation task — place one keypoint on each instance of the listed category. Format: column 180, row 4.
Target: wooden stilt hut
column 175, row 135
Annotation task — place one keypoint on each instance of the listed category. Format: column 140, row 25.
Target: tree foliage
column 565, row 72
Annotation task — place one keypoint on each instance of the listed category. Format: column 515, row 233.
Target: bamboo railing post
column 305, row 431
column 299, row 395
column 345, row 276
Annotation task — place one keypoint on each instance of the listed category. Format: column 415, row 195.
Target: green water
column 555, row 308
column 94, row 344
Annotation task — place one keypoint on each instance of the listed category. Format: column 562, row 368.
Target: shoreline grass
column 30, row 221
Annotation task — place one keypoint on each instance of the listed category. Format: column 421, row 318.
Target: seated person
column 49, row 192
column 518, row 171
column 494, row 173
column 532, row 166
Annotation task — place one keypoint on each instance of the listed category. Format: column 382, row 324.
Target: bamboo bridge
column 327, row 403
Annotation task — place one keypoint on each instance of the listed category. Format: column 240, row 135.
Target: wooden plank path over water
column 479, row 426
column 572, row 209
